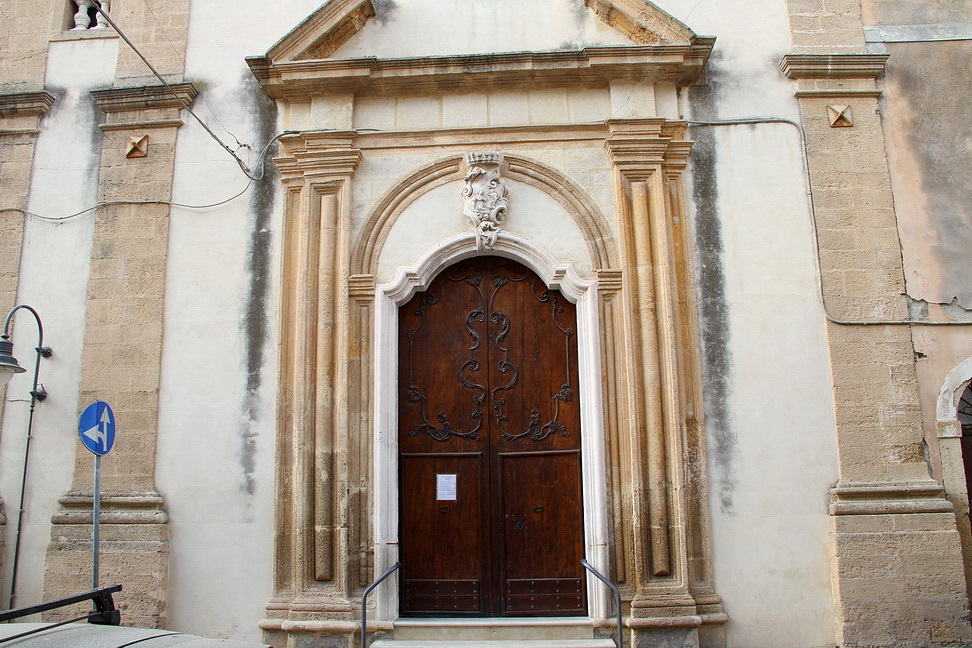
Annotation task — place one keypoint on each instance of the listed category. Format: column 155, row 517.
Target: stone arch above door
column 597, row 232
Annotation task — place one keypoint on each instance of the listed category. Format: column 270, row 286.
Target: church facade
column 469, row 292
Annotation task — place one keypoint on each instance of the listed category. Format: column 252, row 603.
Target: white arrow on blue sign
column 97, row 428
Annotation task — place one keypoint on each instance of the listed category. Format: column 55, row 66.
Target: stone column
column 649, row 156
column 361, row 289
column 312, row 555
column 121, row 362
column 19, row 114
column 897, row 570
column 693, row 496
column 610, row 312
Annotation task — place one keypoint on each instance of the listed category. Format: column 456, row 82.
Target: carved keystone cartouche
column 486, row 196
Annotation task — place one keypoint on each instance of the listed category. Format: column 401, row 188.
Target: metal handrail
column 364, row 598
column 617, row 597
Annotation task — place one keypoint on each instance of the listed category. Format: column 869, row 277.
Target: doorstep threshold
column 494, row 621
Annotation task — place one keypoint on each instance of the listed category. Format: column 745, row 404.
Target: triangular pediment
column 325, row 30
column 336, row 22
column 642, row 22
column 374, row 46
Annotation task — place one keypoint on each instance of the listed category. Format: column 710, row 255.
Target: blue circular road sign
column 97, row 428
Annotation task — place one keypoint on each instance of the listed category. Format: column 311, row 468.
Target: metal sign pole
column 97, row 429
column 97, row 522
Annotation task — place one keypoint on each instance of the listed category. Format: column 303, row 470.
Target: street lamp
column 8, row 367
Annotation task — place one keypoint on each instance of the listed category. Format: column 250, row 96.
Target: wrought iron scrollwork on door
column 535, row 430
column 444, row 430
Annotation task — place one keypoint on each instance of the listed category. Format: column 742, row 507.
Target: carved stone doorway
column 489, row 446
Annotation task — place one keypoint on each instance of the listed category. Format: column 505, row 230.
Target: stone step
column 542, row 632
column 501, row 643
column 493, row 629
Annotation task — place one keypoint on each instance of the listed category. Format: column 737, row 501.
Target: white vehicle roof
column 84, row 635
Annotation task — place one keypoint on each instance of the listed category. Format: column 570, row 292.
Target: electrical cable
column 727, row 122
column 243, row 166
column 110, row 203
column 185, row 72
column 813, row 219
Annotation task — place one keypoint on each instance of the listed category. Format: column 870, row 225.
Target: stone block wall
column 122, row 357
column 897, row 566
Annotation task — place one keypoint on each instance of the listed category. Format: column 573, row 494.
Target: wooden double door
column 489, row 447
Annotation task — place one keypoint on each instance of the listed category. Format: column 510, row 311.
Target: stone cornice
column 887, row 498
column 144, row 97
column 25, row 104
column 833, row 66
column 594, row 66
column 839, row 92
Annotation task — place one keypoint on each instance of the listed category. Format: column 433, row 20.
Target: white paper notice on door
column 445, row 487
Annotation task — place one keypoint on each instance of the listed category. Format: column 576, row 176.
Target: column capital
column 639, row 146
column 323, row 154
column 112, row 100
column 153, row 106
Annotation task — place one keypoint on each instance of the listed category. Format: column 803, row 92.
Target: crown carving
column 483, row 159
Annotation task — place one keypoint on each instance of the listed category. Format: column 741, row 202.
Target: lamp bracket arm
column 40, row 327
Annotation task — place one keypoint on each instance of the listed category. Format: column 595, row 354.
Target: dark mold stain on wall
column 579, row 11
column 385, row 10
column 713, row 310
column 84, row 110
column 258, row 257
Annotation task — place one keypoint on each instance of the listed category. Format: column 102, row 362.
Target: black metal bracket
column 107, row 614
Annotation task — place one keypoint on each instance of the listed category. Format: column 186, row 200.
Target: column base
column 675, row 618
column 898, row 572
column 310, row 622
column 667, row 638
column 134, row 553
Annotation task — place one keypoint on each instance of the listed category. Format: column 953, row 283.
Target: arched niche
column 587, row 218
column 949, row 430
